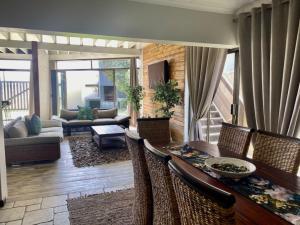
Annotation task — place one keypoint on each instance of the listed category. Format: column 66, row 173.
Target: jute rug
column 85, row 152
column 114, row 208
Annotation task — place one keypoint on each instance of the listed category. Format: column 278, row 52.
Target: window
column 95, row 83
column 14, row 87
column 220, row 110
column 80, row 87
column 122, row 80
column 228, row 72
column 73, row 64
column 111, row 64
column 15, row 64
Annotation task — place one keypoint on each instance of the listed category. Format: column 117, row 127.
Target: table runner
column 277, row 199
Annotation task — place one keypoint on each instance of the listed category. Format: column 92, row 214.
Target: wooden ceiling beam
column 71, row 48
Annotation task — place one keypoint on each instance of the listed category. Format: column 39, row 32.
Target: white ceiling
column 218, row 6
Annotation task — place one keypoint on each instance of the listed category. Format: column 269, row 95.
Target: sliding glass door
column 97, row 84
column 227, row 105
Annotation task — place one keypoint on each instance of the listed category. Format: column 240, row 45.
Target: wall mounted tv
column 158, row 73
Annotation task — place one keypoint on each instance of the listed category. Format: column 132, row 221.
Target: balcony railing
column 17, row 93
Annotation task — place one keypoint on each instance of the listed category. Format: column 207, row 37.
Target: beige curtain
column 133, row 82
column 204, row 70
column 269, row 39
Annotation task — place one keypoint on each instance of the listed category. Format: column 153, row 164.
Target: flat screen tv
column 158, row 73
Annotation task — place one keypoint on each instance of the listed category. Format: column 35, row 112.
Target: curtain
column 269, row 39
column 204, row 69
column 133, row 82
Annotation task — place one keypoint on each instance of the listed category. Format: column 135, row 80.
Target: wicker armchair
column 143, row 204
column 235, row 139
column 278, row 151
column 155, row 130
column 165, row 209
column 201, row 203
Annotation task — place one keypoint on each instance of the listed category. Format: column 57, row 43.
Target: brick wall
column 176, row 57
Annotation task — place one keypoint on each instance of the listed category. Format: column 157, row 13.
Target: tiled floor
column 38, row 193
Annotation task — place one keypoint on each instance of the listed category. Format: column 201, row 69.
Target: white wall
column 45, row 84
column 120, row 18
column 3, row 185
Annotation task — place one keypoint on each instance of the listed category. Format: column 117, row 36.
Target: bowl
column 237, row 162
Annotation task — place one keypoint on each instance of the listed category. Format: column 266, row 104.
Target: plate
column 238, row 162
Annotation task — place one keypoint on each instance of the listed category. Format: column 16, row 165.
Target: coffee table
column 106, row 131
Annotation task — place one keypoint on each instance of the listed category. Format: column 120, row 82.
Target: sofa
column 22, row 147
column 70, row 119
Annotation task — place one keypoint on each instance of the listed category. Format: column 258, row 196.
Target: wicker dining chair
column 143, row 204
column 278, row 151
column 201, row 203
column 165, row 209
column 235, row 139
column 155, row 130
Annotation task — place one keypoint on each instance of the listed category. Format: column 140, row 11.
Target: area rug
column 114, row 208
column 85, row 152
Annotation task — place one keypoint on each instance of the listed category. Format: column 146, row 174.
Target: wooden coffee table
column 106, row 131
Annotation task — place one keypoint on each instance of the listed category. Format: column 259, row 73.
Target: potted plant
column 135, row 96
column 157, row 130
column 168, row 95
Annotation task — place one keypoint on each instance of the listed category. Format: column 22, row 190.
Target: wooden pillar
column 35, row 77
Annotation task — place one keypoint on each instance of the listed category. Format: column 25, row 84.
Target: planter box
column 155, row 130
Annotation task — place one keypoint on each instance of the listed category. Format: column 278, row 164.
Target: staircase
column 215, row 125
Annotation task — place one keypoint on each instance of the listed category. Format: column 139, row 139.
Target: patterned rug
column 85, row 152
column 114, row 208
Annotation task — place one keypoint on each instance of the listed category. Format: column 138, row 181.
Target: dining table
column 247, row 211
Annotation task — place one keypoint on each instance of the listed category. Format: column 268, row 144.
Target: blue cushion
column 34, row 124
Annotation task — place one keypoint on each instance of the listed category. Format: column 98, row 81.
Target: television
column 158, row 73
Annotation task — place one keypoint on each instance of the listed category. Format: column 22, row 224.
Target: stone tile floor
column 38, row 192
column 44, row 211
column 47, row 211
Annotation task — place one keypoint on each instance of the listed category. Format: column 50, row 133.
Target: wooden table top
column 108, row 130
column 247, row 211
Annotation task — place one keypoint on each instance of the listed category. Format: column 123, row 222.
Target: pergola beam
column 15, row 56
column 71, row 48
column 78, row 56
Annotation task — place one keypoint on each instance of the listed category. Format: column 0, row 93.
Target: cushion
column 122, row 118
column 51, row 129
column 18, row 130
column 104, row 121
column 85, row 113
column 80, row 123
column 31, row 141
column 52, row 134
column 34, row 124
column 105, row 113
column 10, row 124
column 68, row 115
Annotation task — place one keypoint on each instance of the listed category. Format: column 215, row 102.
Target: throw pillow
column 107, row 113
column 35, row 125
column 18, row 130
column 85, row 113
column 68, row 115
column 10, row 124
